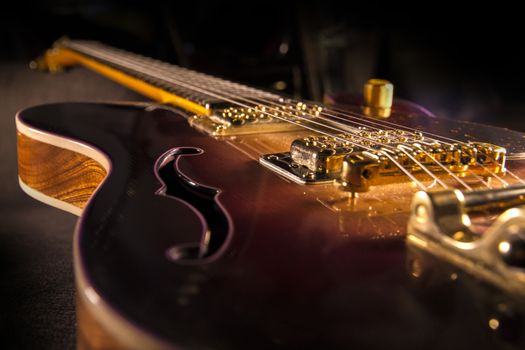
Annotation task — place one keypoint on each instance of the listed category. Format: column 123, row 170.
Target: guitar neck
column 165, row 83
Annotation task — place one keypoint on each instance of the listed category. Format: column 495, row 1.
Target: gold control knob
column 378, row 95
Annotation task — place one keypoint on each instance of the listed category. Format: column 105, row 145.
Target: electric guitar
column 221, row 216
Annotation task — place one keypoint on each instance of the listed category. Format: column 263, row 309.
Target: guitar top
column 230, row 217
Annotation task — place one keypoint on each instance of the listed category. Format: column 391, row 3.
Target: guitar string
column 236, row 86
column 204, row 79
column 133, row 60
column 425, row 169
column 272, row 98
column 211, row 93
column 256, row 96
column 221, row 97
column 260, row 95
column 405, row 171
column 148, row 64
column 402, row 150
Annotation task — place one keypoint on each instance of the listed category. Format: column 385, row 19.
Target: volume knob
column 378, row 95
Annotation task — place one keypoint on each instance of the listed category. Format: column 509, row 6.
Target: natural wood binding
column 72, row 178
column 56, row 172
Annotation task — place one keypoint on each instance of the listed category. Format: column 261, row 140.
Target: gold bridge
column 366, row 158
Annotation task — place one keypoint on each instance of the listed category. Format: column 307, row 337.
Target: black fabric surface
column 37, row 294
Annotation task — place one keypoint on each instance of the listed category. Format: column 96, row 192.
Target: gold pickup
column 276, row 117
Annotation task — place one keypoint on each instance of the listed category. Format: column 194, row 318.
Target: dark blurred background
column 462, row 64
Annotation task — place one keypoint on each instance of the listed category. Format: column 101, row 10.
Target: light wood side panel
column 56, row 172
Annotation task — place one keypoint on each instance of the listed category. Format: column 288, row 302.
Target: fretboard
column 199, row 88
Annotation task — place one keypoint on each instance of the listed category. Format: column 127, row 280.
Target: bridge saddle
column 366, row 158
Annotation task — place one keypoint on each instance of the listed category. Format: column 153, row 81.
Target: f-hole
column 201, row 198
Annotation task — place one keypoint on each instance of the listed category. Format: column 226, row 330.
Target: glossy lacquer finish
column 281, row 271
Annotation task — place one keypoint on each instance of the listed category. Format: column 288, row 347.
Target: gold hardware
column 364, row 169
column 378, row 95
column 320, row 159
column 448, row 234
column 282, row 116
column 320, row 153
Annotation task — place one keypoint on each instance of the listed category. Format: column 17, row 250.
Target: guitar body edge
column 291, row 266
column 42, row 158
